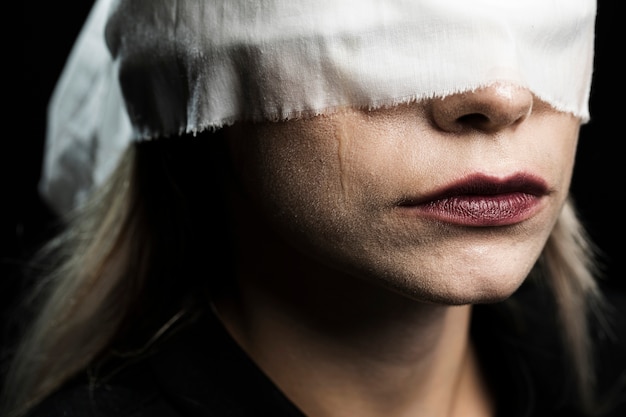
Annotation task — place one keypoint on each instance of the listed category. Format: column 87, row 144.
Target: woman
column 326, row 209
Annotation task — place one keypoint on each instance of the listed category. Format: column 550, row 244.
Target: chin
column 456, row 299
column 480, row 275
column 485, row 296
column 457, row 289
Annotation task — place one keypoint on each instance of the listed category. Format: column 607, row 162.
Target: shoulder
column 609, row 342
column 129, row 394
column 195, row 370
column 521, row 349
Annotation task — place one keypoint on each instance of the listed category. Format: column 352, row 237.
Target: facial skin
column 333, row 187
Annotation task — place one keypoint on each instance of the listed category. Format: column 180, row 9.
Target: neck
column 341, row 346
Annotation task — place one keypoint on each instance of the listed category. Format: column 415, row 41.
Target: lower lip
column 480, row 210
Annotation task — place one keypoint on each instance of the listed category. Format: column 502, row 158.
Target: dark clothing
column 201, row 372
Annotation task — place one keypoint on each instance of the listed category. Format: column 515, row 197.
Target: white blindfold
column 144, row 69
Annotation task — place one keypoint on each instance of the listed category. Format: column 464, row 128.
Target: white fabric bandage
column 150, row 68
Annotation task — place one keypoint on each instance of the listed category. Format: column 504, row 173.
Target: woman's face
column 443, row 200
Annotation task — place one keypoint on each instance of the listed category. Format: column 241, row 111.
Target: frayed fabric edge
column 300, row 114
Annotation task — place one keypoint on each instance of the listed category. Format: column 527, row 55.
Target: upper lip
column 484, row 185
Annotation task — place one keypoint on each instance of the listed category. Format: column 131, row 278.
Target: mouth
column 481, row 201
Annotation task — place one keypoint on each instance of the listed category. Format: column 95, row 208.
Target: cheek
column 318, row 184
column 289, row 172
column 378, row 156
column 568, row 150
column 555, row 144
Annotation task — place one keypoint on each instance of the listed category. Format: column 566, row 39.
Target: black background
column 35, row 52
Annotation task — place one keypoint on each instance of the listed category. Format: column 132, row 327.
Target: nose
column 488, row 109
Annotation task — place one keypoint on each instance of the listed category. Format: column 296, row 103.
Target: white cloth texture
column 144, row 69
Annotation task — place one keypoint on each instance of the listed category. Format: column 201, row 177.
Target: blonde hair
column 107, row 254
column 568, row 263
column 84, row 288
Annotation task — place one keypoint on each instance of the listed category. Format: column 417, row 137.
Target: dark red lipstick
column 480, row 201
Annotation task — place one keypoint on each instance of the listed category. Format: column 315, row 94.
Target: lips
column 482, row 201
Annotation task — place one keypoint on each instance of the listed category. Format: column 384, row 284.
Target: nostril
column 489, row 122
column 474, row 119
